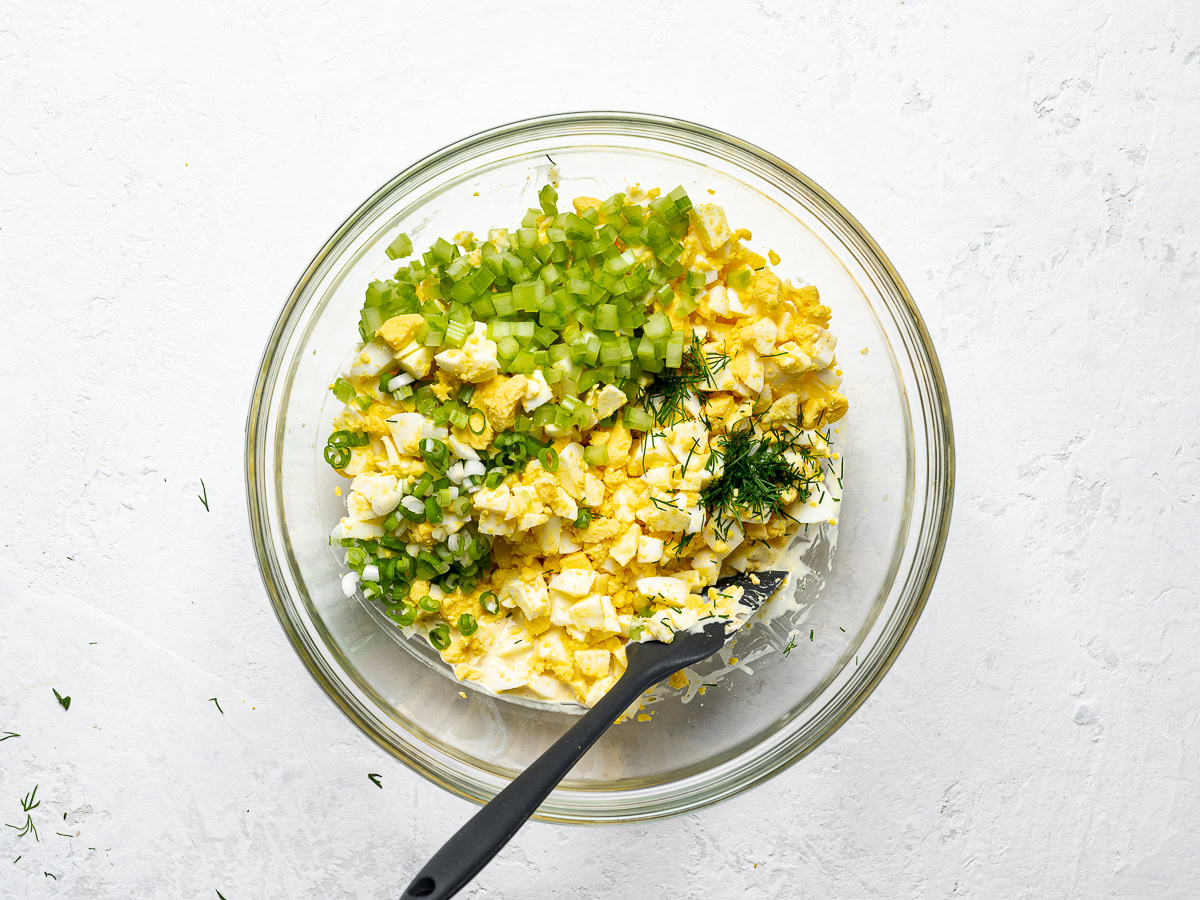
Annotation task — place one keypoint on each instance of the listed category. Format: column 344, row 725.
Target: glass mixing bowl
column 861, row 601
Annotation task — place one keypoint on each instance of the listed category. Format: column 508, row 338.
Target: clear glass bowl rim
column 932, row 522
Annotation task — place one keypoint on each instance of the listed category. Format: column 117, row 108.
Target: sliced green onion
column 439, row 636
column 476, row 417
column 424, row 485
column 428, row 604
column 338, row 457
column 467, row 625
column 435, row 454
column 433, row 511
column 405, row 614
column 584, row 518
column 548, row 457
column 416, row 516
column 490, row 603
column 461, row 506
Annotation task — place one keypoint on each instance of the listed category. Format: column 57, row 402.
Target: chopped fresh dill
column 376, row 780
column 214, row 700
column 757, row 474
column 791, row 645
column 28, row 804
column 9, row 734
column 203, row 499
column 64, row 702
column 666, row 396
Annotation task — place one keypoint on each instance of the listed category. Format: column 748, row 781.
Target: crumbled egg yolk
column 572, row 590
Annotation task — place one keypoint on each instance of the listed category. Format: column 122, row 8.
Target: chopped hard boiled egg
column 560, row 438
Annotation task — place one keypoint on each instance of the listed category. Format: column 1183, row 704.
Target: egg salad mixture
column 561, row 436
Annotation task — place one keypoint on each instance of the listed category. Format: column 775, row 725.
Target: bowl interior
column 856, row 606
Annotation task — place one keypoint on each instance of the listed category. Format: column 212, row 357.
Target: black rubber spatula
column 473, row 846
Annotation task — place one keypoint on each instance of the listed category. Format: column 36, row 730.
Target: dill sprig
column 28, row 804
column 756, row 475
column 666, row 396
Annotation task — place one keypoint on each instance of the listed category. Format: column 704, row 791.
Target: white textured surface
column 167, row 170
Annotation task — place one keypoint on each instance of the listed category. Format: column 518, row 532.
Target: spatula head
column 656, row 660
column 757, row 587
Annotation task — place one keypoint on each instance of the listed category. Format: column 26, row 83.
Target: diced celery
column 685, row 306
column 621, row 263
column 596, row 454
column 637, row 418
column 484, row 307
column 675, row 351
column 679, row 197
column 442, row 251
column 591, row 349
column 508, row 347
column 504, row 304
column 522, row 363
column 548, row 198
column 612, row 205
column 610, row 355
column 740, row 277
column 657, row 326
column 459, row 268
column 606, row 317
column 400, row 247
column 633, row 214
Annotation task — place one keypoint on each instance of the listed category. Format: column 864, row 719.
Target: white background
column 166, row 172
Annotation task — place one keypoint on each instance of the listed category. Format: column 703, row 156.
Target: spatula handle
column 473, row 846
